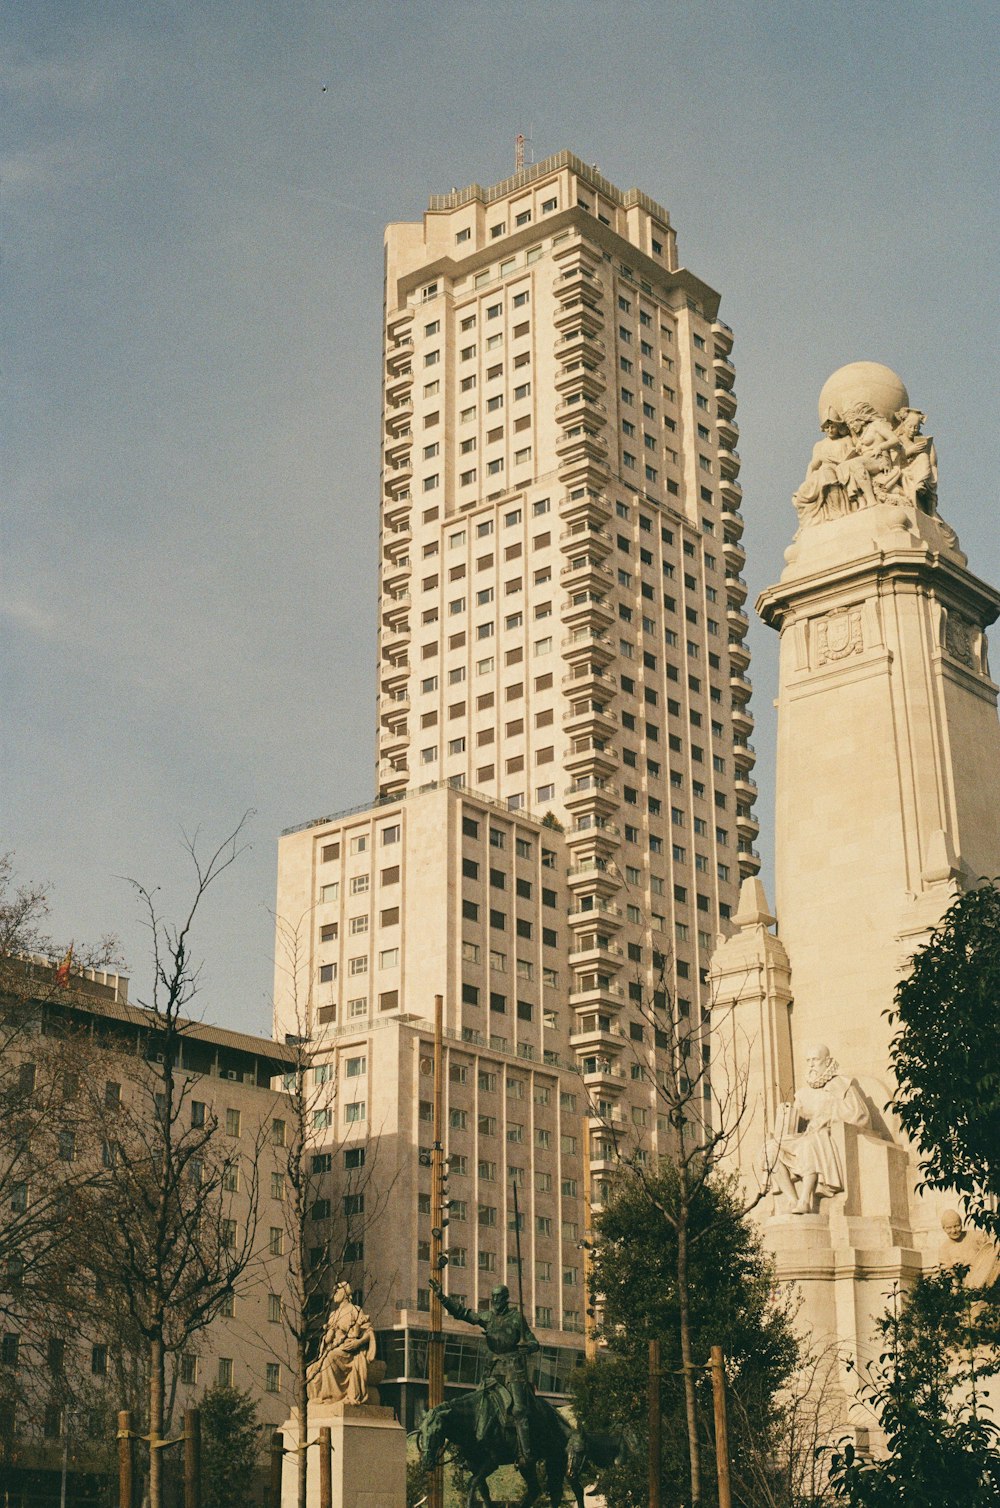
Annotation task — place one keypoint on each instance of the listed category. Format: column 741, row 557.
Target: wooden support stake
column 126, row 1460
column 655, row 1453
column 718, row 1369
column 192, row 1458
column 277, row 1454
column 325, row 1468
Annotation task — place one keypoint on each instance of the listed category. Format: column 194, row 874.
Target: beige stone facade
column 563, row 762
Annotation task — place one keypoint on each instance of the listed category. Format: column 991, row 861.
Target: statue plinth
column 368, row 1460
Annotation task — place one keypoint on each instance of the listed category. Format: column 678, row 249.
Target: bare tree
column 162, row 1240
column 41, row 1177
column 333, row 1191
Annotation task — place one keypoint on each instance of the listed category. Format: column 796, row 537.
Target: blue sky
column 193, row 199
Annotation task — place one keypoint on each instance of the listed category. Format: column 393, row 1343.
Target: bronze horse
column 484, row 1440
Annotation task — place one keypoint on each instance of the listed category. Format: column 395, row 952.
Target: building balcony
column 398, row 415
column 399, row 355
column 395, row 574
column 729, row 464
column 394, row 706
column 737, row 619
column 745, row 787
column 596, row 993
column 596, row 1039
column 743, row 719
column 395, row 608
column 596, row 953
column 583, row 410
column 590, row 911
column 749, row 863
column 734, row 555
column 740, row 684
column 396, row 638
column 736, row 587
column 744, row 754
column 597, row 797
column 725, row 403
column 732, row 493
column 747, row 825
column 397, row 536
column 590, row 680
column 398, row 448
column 587, row 610
column 591, row 756
column 725, row 372
column 393, row 773
column 732, row 523
column 601, row 721
column 586, row 506
column 739, row 654
column 593, row 875
column 722, row 337
column 395, row 674
column 587, row 574
column 396, row 512
column 601, row 1074
column 597, row 542
column 578, row 279
column 578, row 380
column 587, row 645
column 728, row 431
column 398, row 474
column 398, row 386
column 394, row 741
column 593, row 836
column 581, row 344
column 578, row 314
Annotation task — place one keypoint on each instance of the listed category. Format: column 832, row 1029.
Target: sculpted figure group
column 864, row 459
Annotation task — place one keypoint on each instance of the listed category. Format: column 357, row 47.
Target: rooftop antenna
column 518, row 152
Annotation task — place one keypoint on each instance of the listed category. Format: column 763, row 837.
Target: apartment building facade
column 563, row 766
column 62, row 1375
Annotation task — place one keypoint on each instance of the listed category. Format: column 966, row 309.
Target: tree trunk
column 302, row 1401
column 690, row 1408
column 156, row 1396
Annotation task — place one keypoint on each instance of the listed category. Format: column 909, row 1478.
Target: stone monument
column 887, row 770
column 368, row 1444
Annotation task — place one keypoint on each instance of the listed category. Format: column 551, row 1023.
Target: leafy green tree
column 946, row 1055
column 732, row 1302
column 229, row 1446
column 925, row 1390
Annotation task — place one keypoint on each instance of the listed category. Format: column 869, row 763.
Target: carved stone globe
column 863, row 382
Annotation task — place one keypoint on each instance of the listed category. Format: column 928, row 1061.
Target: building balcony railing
column 578, row 313
column 722, row 336
column 579, row 343
column 599, row 913
column 591, row 756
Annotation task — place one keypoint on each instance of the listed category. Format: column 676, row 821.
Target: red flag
column 62, row 973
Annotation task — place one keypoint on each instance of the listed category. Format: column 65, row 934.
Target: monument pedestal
column 368, row 1466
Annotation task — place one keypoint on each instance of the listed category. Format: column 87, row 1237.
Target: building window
column 225, row 1373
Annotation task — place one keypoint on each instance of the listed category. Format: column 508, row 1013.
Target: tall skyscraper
column 564, row 808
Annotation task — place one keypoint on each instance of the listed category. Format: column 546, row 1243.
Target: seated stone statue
column 801, row 1156
column 972, row 1249
column 822, row 495
column 340, row 1374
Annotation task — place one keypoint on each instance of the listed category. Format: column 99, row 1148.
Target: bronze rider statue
column 510, row 1343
